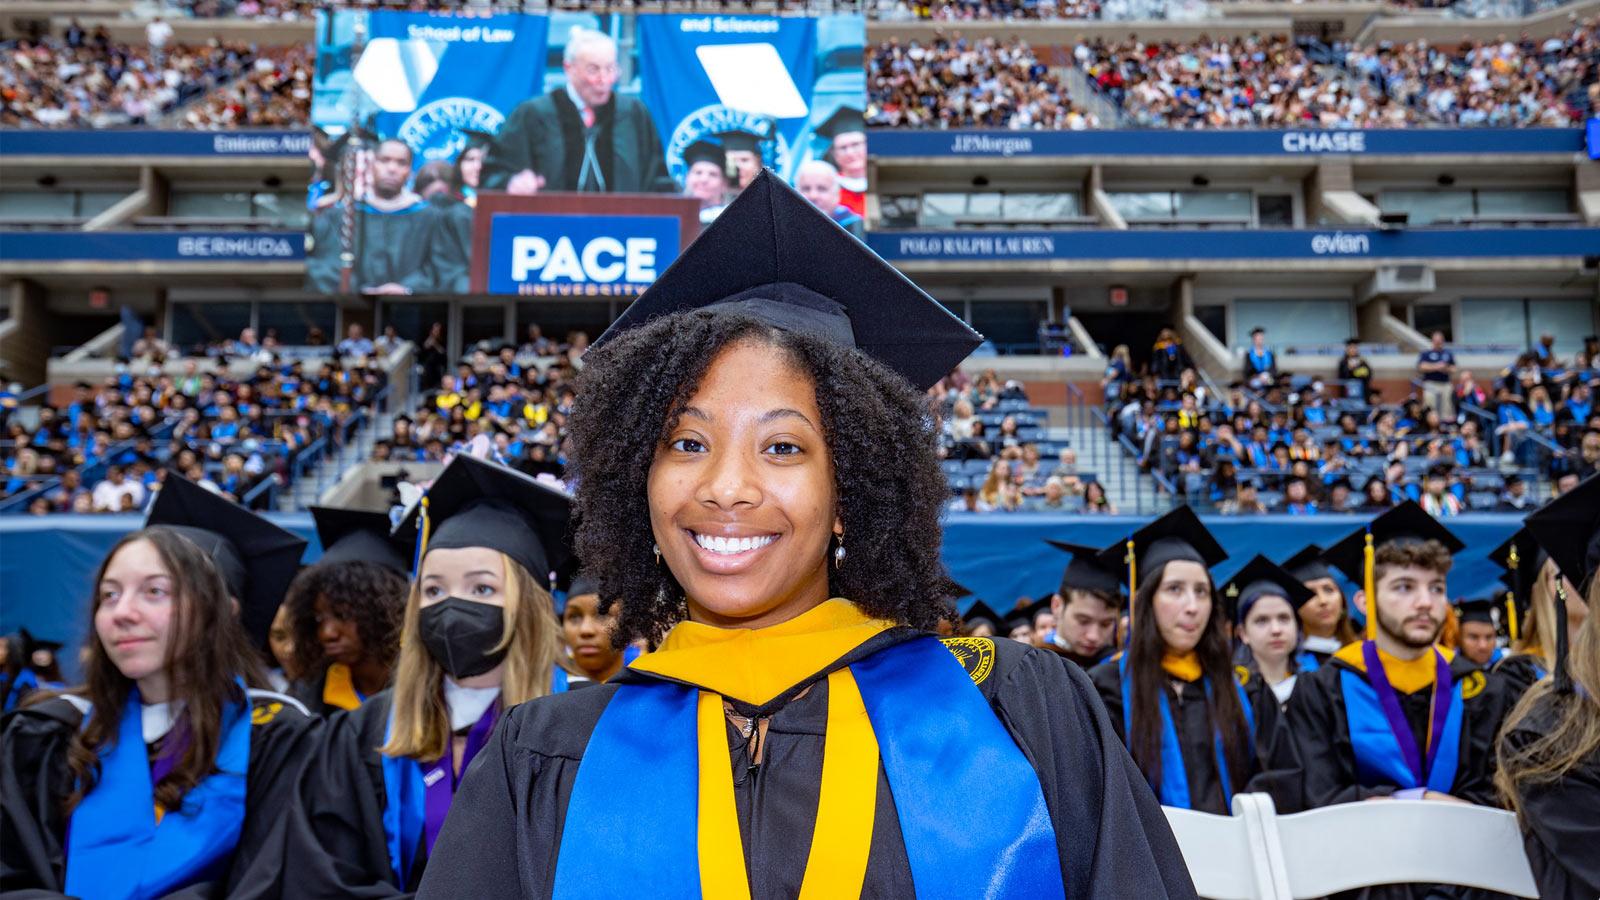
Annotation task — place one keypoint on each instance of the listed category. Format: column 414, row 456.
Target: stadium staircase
column 1116, row 467
column 1086, row 94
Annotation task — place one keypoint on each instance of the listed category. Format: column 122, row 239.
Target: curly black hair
column 890, row 489
column 371, row 595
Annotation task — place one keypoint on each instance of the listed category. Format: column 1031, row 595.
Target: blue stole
column 1379, row 759
column 115, row 846
column 1174, row 787
column 1261, row 361
column 405, row 799
column 937, row 736
column 25, row 679
column 1495, row 657
column 1306, row 661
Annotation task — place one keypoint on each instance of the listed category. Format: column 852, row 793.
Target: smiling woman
column 758, row 483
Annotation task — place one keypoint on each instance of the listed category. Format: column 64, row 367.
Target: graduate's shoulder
column 61, row 713
column 268, row 707
column 558, row 724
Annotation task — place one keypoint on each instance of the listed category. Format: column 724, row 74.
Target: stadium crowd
column 517, row 397
column 88, row 80
column 225, row 427
column 1252, row 81
column 954, row 82
column 1275, row 442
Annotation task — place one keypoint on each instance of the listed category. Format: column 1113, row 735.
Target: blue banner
column 179, row 246
column 707, row 75
column 891, row 143
column 557, row 255
column 1228, row 244
column 448, row 72
column 124, row 143
column 1000, row 557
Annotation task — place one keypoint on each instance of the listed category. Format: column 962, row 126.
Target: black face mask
column 461, row 635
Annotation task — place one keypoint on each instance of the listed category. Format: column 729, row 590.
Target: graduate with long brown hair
column 165, row 770
column 1549, row 751
column 1196, row 732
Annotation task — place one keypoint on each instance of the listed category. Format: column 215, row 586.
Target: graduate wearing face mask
column 479, row 636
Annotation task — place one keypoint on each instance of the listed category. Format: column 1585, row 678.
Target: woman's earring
column 838, row 553
column 656, row 549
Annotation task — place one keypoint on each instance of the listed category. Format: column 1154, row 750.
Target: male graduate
column 582, row 136
column 1086, row 608
column 1479, row 640
column 392, row 237
column 1396, row 715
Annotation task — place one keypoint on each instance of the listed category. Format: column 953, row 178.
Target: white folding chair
column 1355, row 845
column 1226, row 855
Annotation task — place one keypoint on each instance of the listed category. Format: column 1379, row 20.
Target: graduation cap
column 255, row 558
column 845, row 119
column 741, row 141
column 1568, row 528
column 980, row 611
column 1261, row 577
column 369, row 140
column 774, row 255
column 1085, row 573
column 1178, row 535
column 1403, row 524
column 1023, row 614
column 1308, row 565
column 706, row 151
column 1521, row 559
column 1476, row 610
column 353, row 535
column 582, row 585
column 474, row 503
column 475, row 140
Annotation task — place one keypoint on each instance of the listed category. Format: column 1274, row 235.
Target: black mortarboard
column 354, row 535
column 1406, row 522
column 369, row 140
column 980, row 611
column 1178, row 535
column 1568, row 529
column 1480, row 610
column 737, row 141
column 1085, row 573
column 844, row 120
column 1521, row 559
column 706, row 151
column 475, row 138
column 1308, row 565
column 1261, row 577
column 474, row 503
column 581, row 585
column 774, row 255
column 256, row 558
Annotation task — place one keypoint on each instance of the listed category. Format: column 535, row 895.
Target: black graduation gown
column 1083, row 662
column 1196, row 736
column 1560, row 825
column 1319, row 737
column 504, row 832
column 1519, row 672
column 309, row 692
column 34, row 779
column 545, row 134
column 335, row 822
column 395, row 247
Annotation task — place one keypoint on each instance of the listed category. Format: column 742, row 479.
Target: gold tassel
column 423, row 526
column 1369, row 588
column 1511, row 596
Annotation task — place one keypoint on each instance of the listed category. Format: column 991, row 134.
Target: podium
column 577, row 245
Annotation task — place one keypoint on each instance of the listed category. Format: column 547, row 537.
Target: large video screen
column 463, row 153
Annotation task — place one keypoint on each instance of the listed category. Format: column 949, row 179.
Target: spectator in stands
column 1354, row 367
column 1437, row 500
column 117, row 493
column 1095, row 501
column 1168, row 358
column 157, row 34
column 1514, row 496
column 1513, row 422
column 1375, row 496
column 1260, row 363
column 1246, row 500
column 1119, row 374
column 355, row 342
column 1436, row 367
column 1297, row 498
